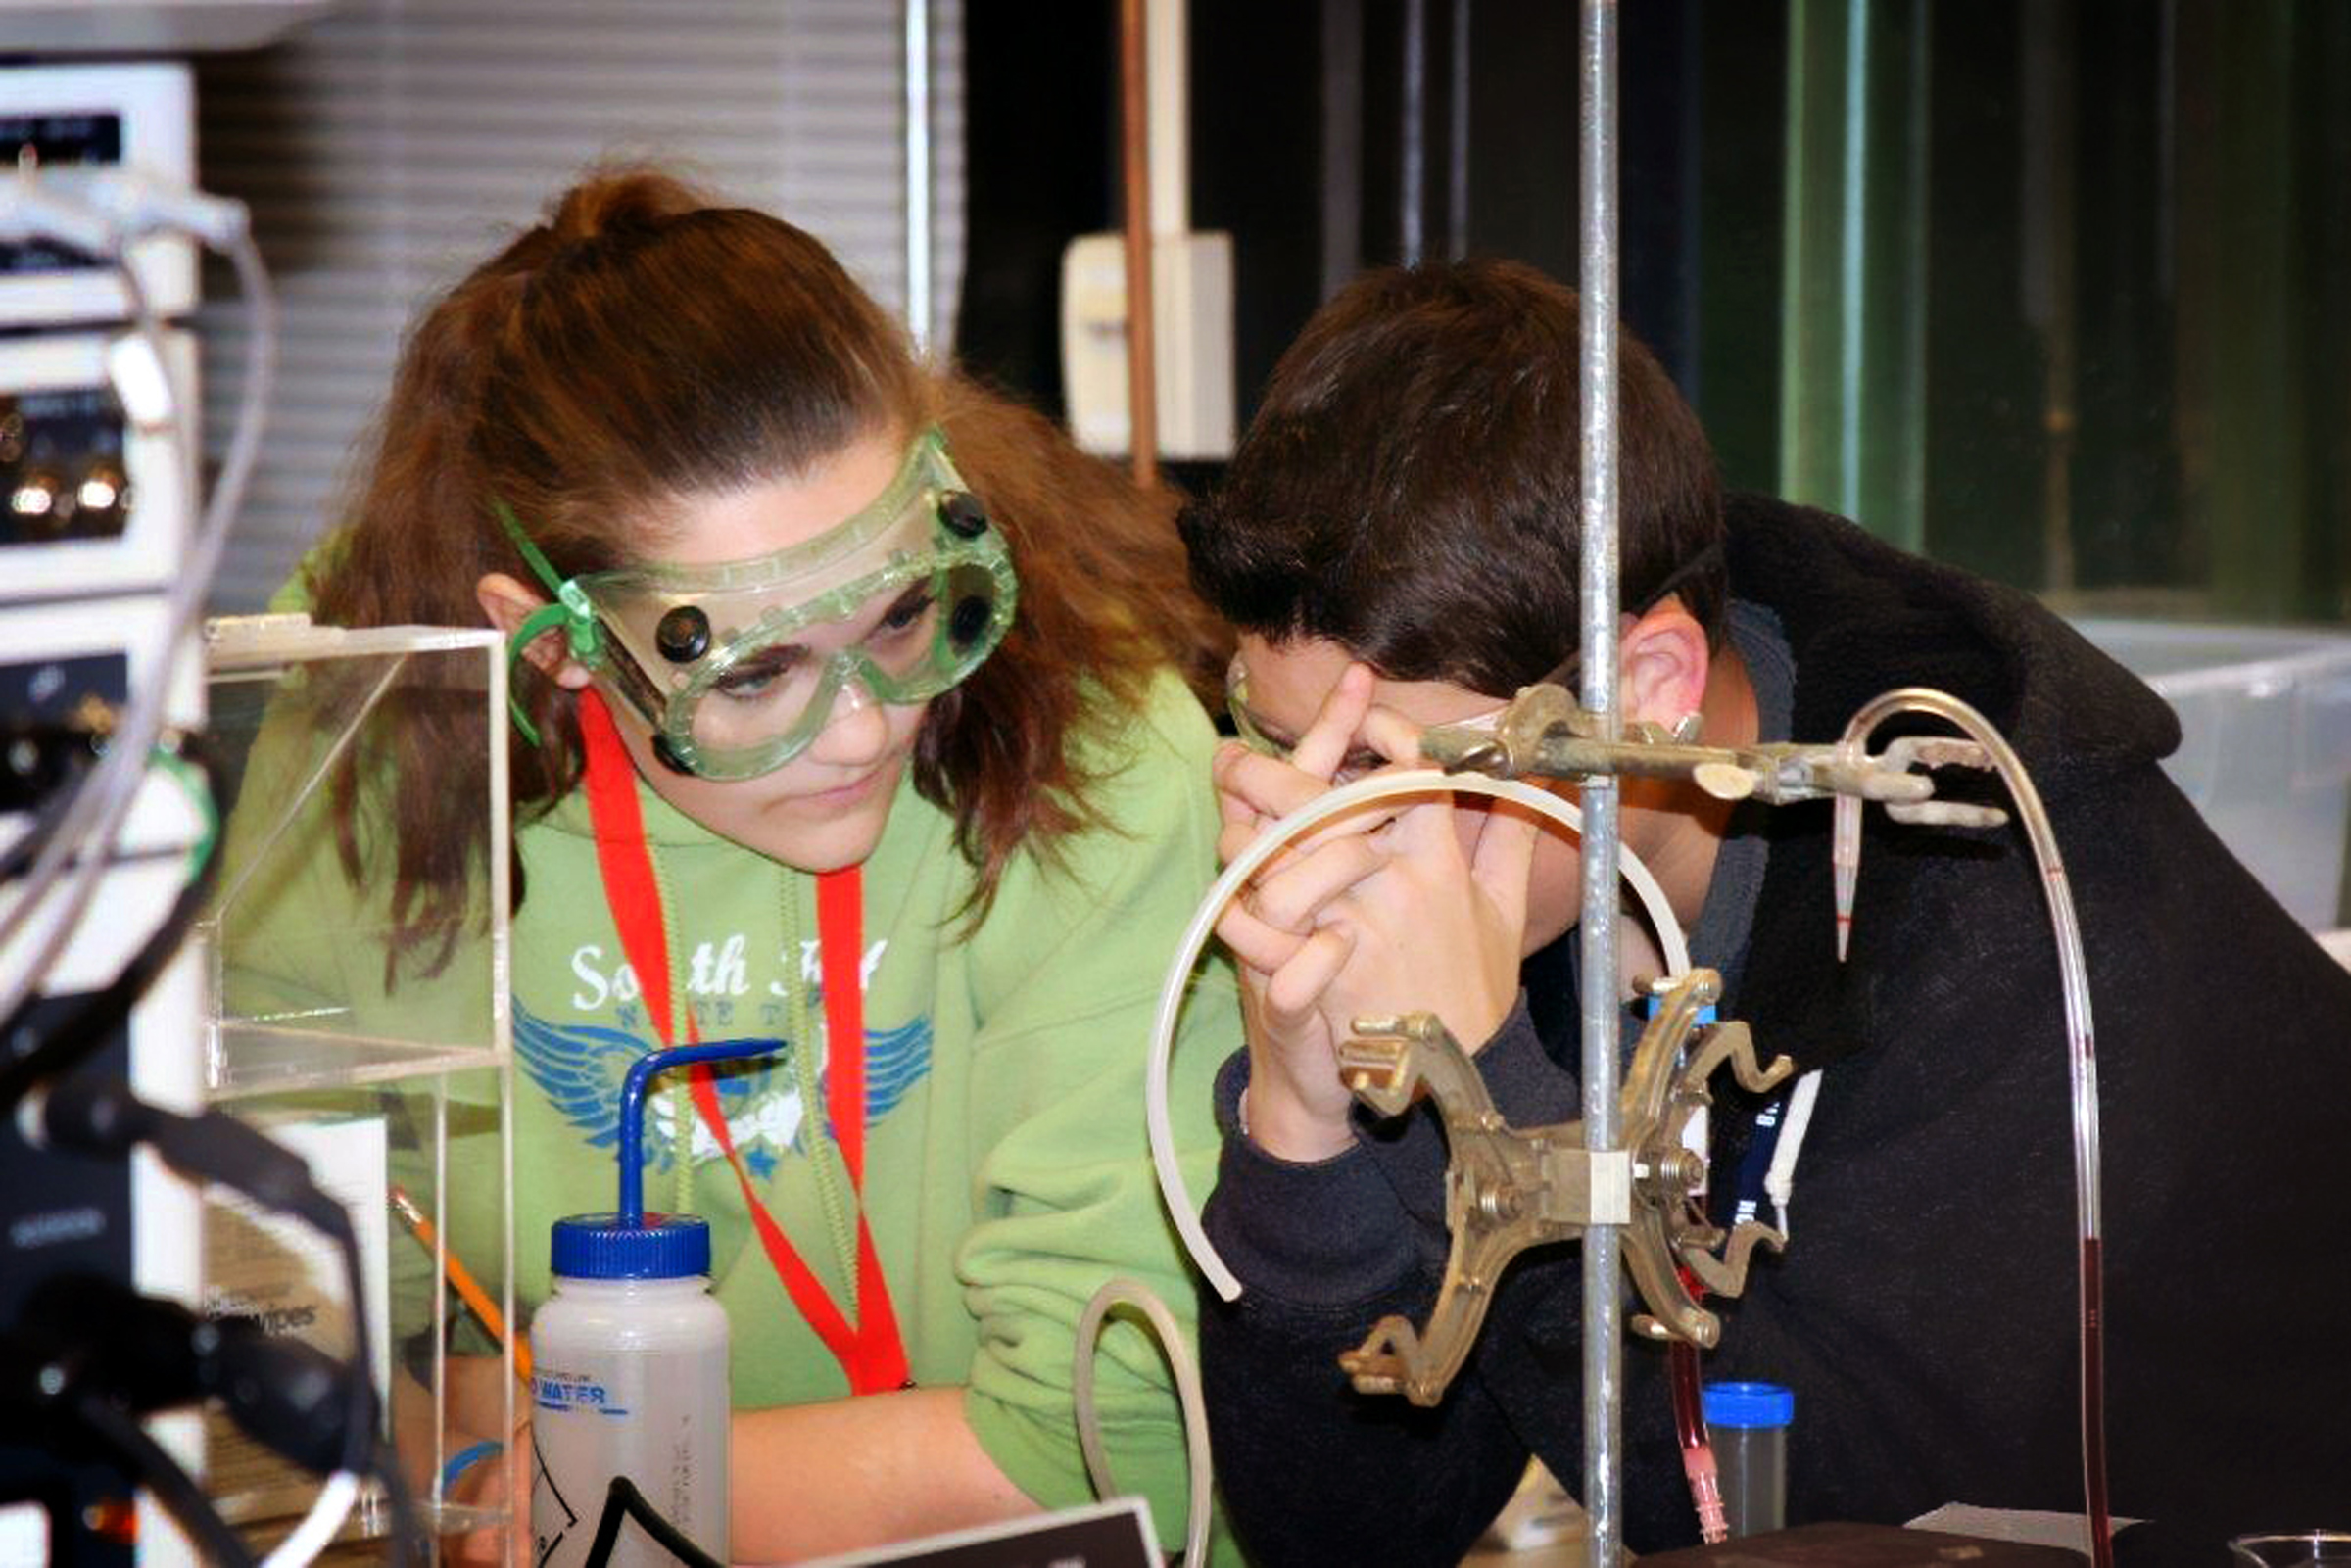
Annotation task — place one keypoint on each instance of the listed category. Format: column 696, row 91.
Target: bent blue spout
column 632, row 1109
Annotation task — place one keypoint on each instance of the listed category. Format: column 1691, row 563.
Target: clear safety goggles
column 738, row 666
column 1359, row 760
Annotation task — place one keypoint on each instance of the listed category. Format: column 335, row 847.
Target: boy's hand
column 1396, row 908
column 1296, row 1107
column 1439, row 927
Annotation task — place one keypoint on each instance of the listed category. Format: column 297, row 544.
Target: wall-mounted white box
column 1191, row 307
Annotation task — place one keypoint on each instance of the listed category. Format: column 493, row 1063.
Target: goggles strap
column 571, row 612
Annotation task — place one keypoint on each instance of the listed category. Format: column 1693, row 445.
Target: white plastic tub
column 2265, row 715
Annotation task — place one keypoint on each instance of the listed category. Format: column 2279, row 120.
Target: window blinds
column 390, row 145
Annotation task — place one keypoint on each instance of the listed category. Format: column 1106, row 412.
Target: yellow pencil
column 468, row 1289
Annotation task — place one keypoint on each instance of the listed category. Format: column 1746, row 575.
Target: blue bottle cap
column 1749, row 1404
column 602, row 1247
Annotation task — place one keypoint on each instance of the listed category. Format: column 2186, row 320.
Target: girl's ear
column 508, row 603
column 1664, row 665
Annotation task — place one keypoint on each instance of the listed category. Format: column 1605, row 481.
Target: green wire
column 681, row 1102
column 812, row 1103
column 199, row 791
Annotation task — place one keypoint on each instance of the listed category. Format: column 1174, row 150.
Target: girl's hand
column 475, row 1410
column 479, row 1488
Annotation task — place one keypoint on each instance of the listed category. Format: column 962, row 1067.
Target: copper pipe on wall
column 1134, row 120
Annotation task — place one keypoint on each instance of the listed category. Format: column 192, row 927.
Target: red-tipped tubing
column 1698, row 1453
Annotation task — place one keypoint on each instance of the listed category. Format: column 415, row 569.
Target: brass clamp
column 1544, row 733
column 1507, row 1189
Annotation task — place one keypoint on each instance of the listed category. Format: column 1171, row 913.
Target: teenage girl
column 849, row 715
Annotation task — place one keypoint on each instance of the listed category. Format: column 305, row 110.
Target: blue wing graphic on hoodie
column 580, row 1068
column 896, row 1060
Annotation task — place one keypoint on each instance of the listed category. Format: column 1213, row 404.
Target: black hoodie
column 1925, row 1312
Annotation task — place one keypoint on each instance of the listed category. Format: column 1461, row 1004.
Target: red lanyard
column 870, row 1351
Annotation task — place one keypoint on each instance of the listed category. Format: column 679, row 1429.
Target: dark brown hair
column 1409, row 486
column 644, row 346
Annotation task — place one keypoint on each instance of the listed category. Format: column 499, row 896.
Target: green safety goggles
column 736, row 666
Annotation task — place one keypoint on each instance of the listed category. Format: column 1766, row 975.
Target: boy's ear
column 508, row 603
column 1666, row 658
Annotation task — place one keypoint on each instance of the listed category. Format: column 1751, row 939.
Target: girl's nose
column 856, row 730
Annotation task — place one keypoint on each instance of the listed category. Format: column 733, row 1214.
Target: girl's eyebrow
column 868, row 616
column 775, row 657
column 876, row 609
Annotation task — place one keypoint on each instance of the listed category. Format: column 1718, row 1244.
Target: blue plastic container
column 1747, row 1425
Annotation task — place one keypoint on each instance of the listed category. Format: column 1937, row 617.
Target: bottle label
column 661, row 1421
column 574, row 1391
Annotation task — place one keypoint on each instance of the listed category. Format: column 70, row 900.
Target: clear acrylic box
column 364, row 1024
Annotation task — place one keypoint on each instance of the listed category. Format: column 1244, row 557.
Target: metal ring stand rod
column 1603, row 1313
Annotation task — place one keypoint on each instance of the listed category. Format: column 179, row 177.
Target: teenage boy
column 1397, row 541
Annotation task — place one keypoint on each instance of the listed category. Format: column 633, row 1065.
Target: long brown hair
column 642, row 346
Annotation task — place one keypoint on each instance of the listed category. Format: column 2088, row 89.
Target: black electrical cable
column 162, row 1475
column 358, row 1431
column 623, row 1496
column 217, row 1146
column 106, row 1118
column 102, row 1115
column 58, row 801
column 89, row 1336
column 89, row 1356
column 28, row 1054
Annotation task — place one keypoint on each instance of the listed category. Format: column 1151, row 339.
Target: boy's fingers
column 1233, row 839
column 1331, row 736
column 1393, row 735
column 1505, row 857
column 1239, row 826
column 1290, row 898
column 1363, row 821
column 1426, row 829
column 1268, row 785
column 1253, row 793
column 1253, row 942
column 1234, row 811
column 1295, row 988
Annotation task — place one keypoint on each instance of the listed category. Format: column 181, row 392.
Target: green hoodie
column 1007, row 1173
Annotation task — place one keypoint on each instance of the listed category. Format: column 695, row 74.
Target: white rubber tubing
column 1171, row 1342
column 1379, row 786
